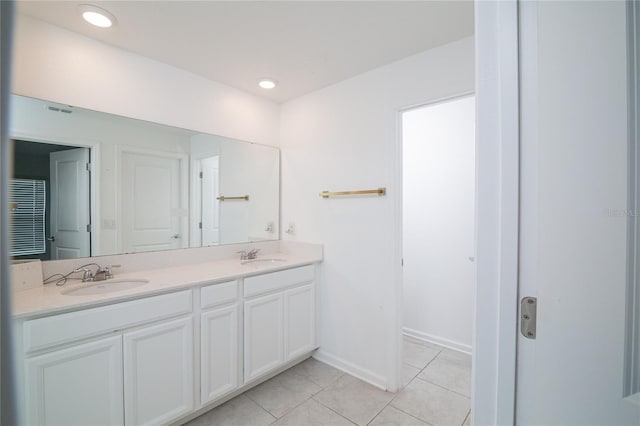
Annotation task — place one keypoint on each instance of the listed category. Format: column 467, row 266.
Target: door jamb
column 94, row 181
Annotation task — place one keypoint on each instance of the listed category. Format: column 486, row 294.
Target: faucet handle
column 253, row 253
column 108, row 272
column 243, row 254
column 87, row 275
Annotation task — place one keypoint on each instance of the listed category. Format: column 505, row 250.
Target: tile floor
column 436, row 389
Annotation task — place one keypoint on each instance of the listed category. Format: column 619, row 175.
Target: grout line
column 331, row 409
column 411, row 415
column 255, row 402
column 442, row 387
column 465, row 419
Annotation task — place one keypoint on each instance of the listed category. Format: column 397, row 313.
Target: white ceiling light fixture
column 267, row 83
column 97, row 16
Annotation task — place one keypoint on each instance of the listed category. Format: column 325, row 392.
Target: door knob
column 51, row 238
column 176, row 236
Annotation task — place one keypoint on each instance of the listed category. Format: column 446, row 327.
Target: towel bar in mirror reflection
column 380, row 192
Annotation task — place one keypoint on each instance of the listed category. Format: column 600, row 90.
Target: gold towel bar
column 379, row 191
column 244, row 197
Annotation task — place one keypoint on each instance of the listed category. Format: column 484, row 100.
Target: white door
column 263, row 335
column 573, row 229
column 158, row 373
column 210, row 209
column 153, row 210
column 81, row 385
column 299, row 321
column 70, row 212
column 218, row 352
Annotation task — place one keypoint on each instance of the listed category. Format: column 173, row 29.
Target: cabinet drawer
column 217, row 294
column 273, row 281
column 58, row 329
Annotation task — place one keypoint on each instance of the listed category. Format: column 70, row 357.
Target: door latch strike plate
column 528, row 317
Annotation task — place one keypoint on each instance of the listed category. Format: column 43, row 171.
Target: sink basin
column 107, row 286
column 262, row 260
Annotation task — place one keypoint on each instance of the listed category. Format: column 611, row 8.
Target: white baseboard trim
column 430, row 338
column 352, row 369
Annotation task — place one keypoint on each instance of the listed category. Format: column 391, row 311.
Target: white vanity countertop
column 49, row 299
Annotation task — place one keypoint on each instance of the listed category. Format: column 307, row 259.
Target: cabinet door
column 299, row 321
column 81, row 385
column 158, row 373
column 218, row 352
column 263, row 335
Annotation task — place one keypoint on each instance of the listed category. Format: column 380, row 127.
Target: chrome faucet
column 105, row 273
column 101, row 274
column 251, row 254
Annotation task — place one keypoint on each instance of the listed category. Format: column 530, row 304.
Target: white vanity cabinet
column 162, row 359
column 128, row 363
column 79, row 385
column 279, row 319
column 219, row 339
column 158, row 373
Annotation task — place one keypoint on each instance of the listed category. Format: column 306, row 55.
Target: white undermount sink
column 106, row 286
column 261, row 260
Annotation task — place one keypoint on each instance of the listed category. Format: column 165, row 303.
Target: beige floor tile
column 354, row 399
column 393, row 417
column 312, row 413
column 318, row 372
column 283, row 392
column 240, row 411
column 417, row 355
column 432, row 404
column 408, row 373
column 451, row 370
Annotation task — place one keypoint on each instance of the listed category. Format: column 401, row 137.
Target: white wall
column 346, row 137
column 438, row 183
column 58, row 65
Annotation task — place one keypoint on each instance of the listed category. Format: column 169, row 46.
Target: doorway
column 438, row 222
column 50, row 192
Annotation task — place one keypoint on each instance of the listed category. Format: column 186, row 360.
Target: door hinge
column 528, row 317
column 402, row 262
column 201, row 175
column 88, row 227
column 200, row 225
column 88, row 167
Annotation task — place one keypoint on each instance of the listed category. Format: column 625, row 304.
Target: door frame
column 94, row 180
column 183, row 159
column 195, row 199
column 396, row 355
column 497, row 211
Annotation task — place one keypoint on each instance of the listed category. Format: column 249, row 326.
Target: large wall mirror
column 87, row 183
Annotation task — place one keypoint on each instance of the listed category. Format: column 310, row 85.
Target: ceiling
column 304, row 45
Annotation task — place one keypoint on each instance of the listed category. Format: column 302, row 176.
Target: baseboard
column 429, row 338
column 352, row 369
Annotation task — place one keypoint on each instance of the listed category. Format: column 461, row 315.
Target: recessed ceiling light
column 97, row 16
column 267, row 83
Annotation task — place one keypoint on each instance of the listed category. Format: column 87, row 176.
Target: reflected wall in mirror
column 87, row 183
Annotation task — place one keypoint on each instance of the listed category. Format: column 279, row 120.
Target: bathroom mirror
column 87, row 183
